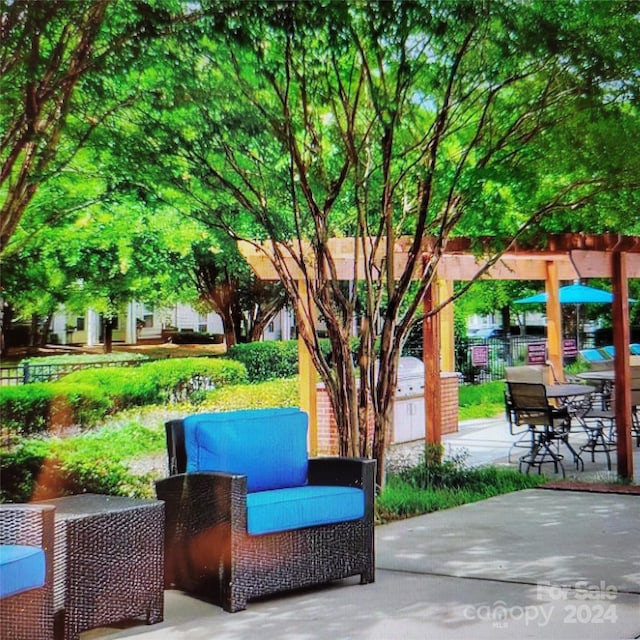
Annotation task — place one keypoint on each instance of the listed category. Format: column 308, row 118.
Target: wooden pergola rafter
column 552, row 259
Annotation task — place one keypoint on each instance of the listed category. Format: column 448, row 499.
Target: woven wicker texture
column 109, row 562
column 208, row 551
column 28, row 615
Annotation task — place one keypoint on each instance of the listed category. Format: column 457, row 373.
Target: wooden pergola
column 564, row 257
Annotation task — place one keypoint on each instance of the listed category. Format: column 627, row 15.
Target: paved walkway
column 532, row 564
column 488, row 441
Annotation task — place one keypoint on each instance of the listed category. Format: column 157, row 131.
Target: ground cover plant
column 434, row 484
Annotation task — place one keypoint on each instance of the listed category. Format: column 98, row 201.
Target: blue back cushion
column 269, row 446
column 21, row 568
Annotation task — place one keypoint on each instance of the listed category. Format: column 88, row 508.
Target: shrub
column 78, row 404
column 126, row 386
column 33, row 408
column 193, row 337
column 267, row 360
column 20, row 469
column 24, row 409
column 95, row 463
column 180, row 379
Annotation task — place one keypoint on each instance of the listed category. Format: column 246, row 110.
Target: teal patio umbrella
column 573, row 294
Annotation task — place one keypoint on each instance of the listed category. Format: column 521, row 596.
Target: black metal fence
column 27, row 372
column 484, row 359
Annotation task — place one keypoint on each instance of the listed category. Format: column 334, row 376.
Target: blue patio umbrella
column 574, row 294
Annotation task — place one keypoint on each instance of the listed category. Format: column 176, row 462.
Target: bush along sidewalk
column 84, row 398
column 126, row 454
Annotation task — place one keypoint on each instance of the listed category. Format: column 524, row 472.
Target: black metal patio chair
column 549, row 426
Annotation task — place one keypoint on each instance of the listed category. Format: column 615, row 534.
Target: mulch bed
column 568, row 485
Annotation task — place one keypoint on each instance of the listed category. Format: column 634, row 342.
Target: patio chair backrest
column 529, row 403
column 530, row 373
column 269, row 446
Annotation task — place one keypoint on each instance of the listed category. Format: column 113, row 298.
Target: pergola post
column 308, row 374
column 622, row 368
column 554, row 318
column 431, row 356
column 447, row 337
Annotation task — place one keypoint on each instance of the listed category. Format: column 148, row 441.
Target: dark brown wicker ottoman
column 108, row 561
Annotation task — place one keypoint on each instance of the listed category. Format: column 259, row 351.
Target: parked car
column 486, row 333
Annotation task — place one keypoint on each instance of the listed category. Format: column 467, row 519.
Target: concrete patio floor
column 532, row 564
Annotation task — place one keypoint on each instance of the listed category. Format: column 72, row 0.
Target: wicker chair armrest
column 195, row 502
column 204, row 513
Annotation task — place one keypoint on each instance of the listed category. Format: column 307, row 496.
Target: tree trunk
column 6, row 316
column 108, row 335
column 46, row 328
column 34, row 338
column 228, row 326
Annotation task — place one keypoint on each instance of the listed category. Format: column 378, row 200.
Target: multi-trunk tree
column 387, row 122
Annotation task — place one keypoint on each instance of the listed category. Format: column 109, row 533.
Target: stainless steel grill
column 409, row 417
column 410, row 377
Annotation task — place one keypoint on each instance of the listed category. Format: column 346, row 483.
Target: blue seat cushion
column 269, row 446
column 299, row 507
column 21, row 568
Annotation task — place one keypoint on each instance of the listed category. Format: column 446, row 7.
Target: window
column 80, row 323
column 202, row 323
column 147, row 317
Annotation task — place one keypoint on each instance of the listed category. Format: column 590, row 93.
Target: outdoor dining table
column 576, row 397
column 604, row 375
column 564, row 391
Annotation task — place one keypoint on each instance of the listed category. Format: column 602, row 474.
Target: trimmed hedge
column 179, row 379
column 33, row 408
column 267, row 360
column 85, row 397
column 126, row 386
column 274, row 359
column 86, row 358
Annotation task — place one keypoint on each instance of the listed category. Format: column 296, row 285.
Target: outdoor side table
column 108, row 561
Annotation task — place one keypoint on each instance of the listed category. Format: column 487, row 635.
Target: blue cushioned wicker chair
column 249, row 514
column 26, row 572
